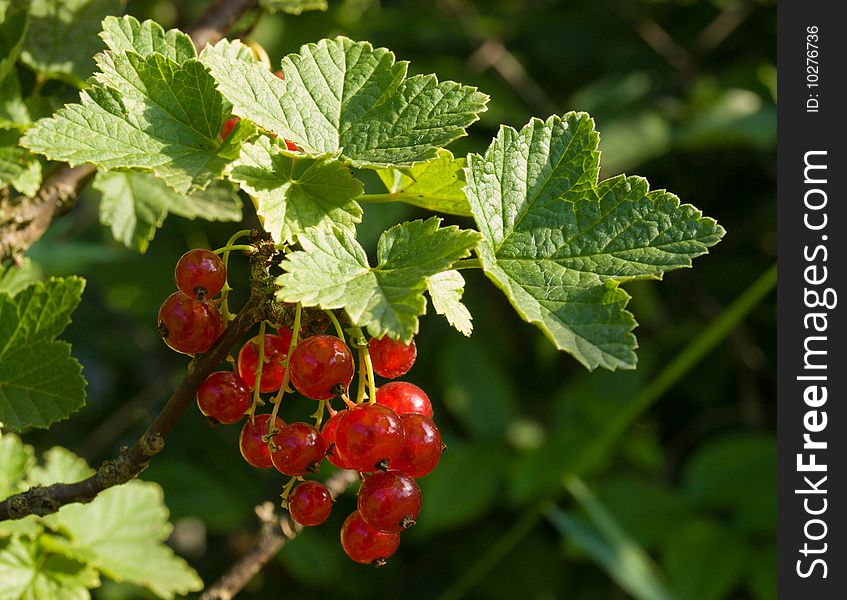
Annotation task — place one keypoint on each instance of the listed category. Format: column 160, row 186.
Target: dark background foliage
column 683, row 93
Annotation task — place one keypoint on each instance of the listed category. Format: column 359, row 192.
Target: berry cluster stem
column 338, row 330
column 257, row 398
column 230, row 244
column 366, row 364
column 318, row 415
column 295, row 336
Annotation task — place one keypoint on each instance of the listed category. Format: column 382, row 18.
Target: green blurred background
column 676, row 461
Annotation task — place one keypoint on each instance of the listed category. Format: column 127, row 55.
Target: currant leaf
column 62, row 36
column 436, row 185
column 29, row 569
column 445, row 290
column 149, row 113
column 127, row 34
column 18, row 166
column 40, row 383
column 557, row 242
column 346, row 97
column 295, row 193
column 14, row 112
column 332, row 271
column 134, row 205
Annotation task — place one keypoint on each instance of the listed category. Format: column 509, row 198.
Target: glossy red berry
column 328, row 434
column 421, row 446
column 228, row 126
column 310, row 503
column 200, row 274
column 365, row 544
column 392, row 358
column 321, row 367
column 253, row 448
column 292, row 146
column 404, row 397
column 369, row 437
column 188, row 325
column 389, row 501
column 224, row 397
column 276, row 349
column 298, row 449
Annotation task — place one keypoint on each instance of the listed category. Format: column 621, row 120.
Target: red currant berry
column 321, row 367
column 188, row 325
column 228, row 126
column 389, row 501
column 421, row 446
column 310, row 503
column 366, row 545
column 391, row 358
column 298, row 449
column 279, row 74
column 253, row 448
column 328, row 434
column 200, row 274
column 276, row 349
column 404, row 397
column 224, row 397
column 369, row 437
column 292, row 146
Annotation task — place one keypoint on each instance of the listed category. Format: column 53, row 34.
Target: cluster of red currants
column 390, row 441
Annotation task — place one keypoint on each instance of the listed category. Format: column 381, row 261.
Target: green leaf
column 445, row 290
column 19, row 167
column 608, row 545
column 126, row 34
column 14, row 279
column 13, row 110
column 16, row 460
column 135, row 204
column 292, row 7
column 557, row 242
column 341, row 96
column 332, row 272
column 705, row 561
column 14, row 22
column 40, row 383
column 30, row 572
column 434, row 185
column 294, row 193
column 147, row 113
column 121, row 533
column 63, row 36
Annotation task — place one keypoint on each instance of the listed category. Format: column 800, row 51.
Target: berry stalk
column 295, row 336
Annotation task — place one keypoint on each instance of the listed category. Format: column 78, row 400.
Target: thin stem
column 467, row 263
column 365, row 359
column 257, row 399
column 363, row 373
column 318, row 415
column 225, row 259
column 235, row 248
column 338, row 330
column 286, row 490
column 295, row 334
column 379, row 198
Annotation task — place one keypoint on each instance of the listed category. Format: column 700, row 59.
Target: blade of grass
column 609, row 546
column 675, row 370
